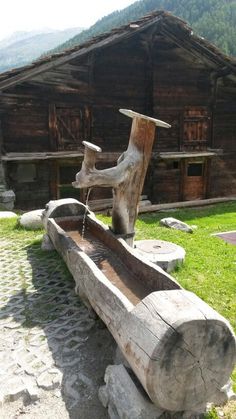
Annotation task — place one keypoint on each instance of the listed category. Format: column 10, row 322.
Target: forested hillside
column 215, row 20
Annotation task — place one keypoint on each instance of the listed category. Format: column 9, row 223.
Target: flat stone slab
column 171, row 222
column 7, row 214
column 164, row 254
column 228, row 236
column 32, row 220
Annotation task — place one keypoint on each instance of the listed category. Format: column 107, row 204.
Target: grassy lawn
column 210, row 265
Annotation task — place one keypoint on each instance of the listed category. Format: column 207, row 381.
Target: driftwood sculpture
column 181, row 350
column 127, row 178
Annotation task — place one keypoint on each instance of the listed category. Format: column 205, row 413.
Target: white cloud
column 20, row 15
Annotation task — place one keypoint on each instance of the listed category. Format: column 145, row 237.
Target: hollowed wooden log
column 181, row 350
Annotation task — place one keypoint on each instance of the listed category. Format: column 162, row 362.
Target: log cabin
column 156, row 66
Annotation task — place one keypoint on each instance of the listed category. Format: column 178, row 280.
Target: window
column 195, row 169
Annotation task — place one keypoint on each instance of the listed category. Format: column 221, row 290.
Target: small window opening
column 195, row 169
column 175, row 164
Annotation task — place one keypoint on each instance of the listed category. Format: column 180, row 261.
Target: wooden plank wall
column 31, row 194
column 159, row 79
column 26, row 129
column 119, row 82
column 179, row 82
column 223, row 168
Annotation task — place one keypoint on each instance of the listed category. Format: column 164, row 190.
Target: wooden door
column 194, row 179
column 68, row 127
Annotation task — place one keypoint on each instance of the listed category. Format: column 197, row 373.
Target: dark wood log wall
column 223, row 167
column 31, row 192
column 26, row 129
column 149, row 74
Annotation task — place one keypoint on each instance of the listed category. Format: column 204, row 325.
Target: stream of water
column 85, row 212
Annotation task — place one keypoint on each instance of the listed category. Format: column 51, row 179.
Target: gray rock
column 32, row 220
column 123, row 398
column 7, row 214
column 171, row 222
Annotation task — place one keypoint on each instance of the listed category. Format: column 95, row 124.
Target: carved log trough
column 181, row 350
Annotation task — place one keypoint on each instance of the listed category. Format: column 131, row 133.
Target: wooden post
column 127, row 178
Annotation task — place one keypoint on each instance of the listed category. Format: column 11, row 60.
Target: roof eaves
column 20, row 75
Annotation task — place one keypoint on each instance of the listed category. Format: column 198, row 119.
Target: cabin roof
column 171, row 26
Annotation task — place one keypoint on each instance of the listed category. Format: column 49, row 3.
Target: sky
column 27, row 15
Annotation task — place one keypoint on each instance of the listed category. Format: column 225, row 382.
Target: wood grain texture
column 126, row 179
column 181, row 350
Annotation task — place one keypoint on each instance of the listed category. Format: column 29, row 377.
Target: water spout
column 127, row 178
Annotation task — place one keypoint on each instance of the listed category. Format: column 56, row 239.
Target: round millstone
column 164, row 254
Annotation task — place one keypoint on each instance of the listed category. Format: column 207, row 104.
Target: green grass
column 210, row 265
column 10, row 229
column 209, row 269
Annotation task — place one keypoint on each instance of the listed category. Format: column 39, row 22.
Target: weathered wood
column 113, row 39
column 186, row 204
column 53, row 131
column 181, row 350
column 127, row 178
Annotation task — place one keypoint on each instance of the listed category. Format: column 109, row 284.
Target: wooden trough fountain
column 181, row 350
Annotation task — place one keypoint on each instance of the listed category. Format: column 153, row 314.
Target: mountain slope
column 215, row 20
column 23, row 47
